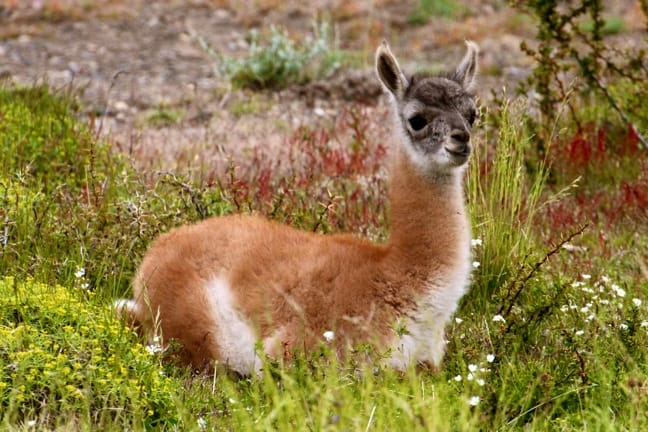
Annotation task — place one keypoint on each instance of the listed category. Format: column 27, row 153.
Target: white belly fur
column 236, row 338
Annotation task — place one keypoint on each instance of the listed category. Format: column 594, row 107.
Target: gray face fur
column 435, row 113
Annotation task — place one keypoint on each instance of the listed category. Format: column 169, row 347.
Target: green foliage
column 163, row 116
column 66, row 201
column 41, row 140
column 280, row 61
column 66, row 362
column 505, row 199
column 426, row 9
column 610, row 26
column 535, row 347
column 573, row 55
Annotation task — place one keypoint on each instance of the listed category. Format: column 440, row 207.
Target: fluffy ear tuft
column 389, row 72
column 466, row 72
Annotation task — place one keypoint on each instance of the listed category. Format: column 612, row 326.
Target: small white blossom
column 458, row 378
column 564, row 308
column 579, row 332
column 586, row 276
column 604, row 301
column 472, row 368
column 470, row 376
column 31, row 423
column 329, row 335
column 476, row 242
column 202, row 423
column 605, row 279
column 636, row 302
column 153, row 349
column 79, row 273
column 499, row 318
column 623, row 326
column 85, row 285
column 643, row 324
column 490, row 358
column 474, row 401
column 618, row 290
column 577, row 284
column 481, row 382
column 584, row 309
column 476, row 264
column 458, row 320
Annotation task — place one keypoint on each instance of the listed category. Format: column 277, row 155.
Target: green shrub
column 573, row 55
column 280, row 61
column 66, row 201
column 66, row 363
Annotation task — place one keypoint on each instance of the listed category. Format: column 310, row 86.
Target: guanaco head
column 435, row 113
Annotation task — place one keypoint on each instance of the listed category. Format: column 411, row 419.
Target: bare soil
column 137, row 61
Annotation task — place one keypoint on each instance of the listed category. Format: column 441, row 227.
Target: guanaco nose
column 460, row 136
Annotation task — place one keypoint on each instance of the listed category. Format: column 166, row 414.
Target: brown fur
column 291, row 286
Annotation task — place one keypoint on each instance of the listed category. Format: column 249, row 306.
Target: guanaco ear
column 467, row 70
column 389, row 72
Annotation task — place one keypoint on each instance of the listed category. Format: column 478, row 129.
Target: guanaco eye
column 472, row 117
column 417, row 122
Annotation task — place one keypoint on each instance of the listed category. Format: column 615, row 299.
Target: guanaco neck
column 429, row 225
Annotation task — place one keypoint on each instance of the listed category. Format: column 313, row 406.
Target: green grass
column 425, row 10
column 567, row 353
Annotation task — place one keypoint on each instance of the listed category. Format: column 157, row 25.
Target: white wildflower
column 79, row 273
column 31, row 423
column 623, row 326
column 474, row 401
column 472, row 368
column 499, row 318
column 579, row 332
column 476, row 264
column 636, row 302
column 564, row 308
column 470, row 377
column 604, row 301
column 458, row 320
column 458, row 378
column 618, row 290
column 605, row 279
column 586, row 276
column 577, row 284
column 481, row 382
column 490, row 358
column 153, row 349
column 584, row 309
column 476, row 242
column 643, row 324
column 328, row 335
column 85, row 285
column 202, row 423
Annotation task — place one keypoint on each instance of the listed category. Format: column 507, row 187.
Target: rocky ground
column 145, row 80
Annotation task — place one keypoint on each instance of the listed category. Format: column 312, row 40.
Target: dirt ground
column 132, row 60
